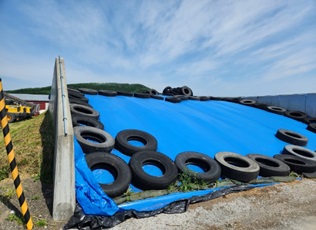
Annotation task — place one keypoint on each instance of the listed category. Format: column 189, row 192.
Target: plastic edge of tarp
column 89, row 194
column 82, row 221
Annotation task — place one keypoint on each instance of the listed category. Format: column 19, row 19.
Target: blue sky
column 218, row 48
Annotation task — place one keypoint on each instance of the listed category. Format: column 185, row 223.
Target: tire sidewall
column 211, row 168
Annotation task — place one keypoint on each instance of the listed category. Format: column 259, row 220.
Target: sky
column 216, row 47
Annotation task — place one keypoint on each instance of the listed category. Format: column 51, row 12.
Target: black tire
column 78, row 97
column 176, row 91
column 195, row 98
column 205, row 98
column 84, row 111
column 153, row 92
column 182, row 97
column 297, row 164
column 310, row 175
column 157, row 97
column 247, row 102
column 297, row 115
column 123, row 93
column 275, row 109
column 310, row 120
column 167, row 91
column 79, row 102
column 78, row 120
column 186, row 91
column 237, row 167
column 291, row 137
column 312, row 127
column 260, row 106
column 123, row 137
column 74, row 91
column 270, row 166
column 211, row 169
column 109, row 93
column 300, row 152
column 92, row 139
column 142, row 95
column 173, row 99
column 88, row 91
column 11, row 117
column 116, row 166
column 145, row 181
column 234, row 99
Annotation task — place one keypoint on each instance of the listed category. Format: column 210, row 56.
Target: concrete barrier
column 299, row 102
column 64, row 178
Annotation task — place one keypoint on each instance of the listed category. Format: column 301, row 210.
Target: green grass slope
column 98, row 86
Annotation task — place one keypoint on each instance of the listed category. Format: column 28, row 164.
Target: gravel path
column 285, row 206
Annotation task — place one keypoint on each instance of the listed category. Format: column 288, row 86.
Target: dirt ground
column 39, row 199
column 283, row 206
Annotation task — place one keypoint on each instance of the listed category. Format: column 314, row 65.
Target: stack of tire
column 177, row 94
column 95, row 142
column 81, row 111
column 300, row 159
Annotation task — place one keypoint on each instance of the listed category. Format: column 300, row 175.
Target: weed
column 4, row 172
column 188, row 182
column 35, row 197
column 41, row 223
column 9, row 193
column 36, row 177
column 128, row 194
column 14, row 217
column 294, row 174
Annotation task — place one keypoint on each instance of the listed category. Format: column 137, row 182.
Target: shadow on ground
column 46, row 176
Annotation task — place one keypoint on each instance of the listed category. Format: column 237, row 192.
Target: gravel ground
column 284, row 206
column 289, row 206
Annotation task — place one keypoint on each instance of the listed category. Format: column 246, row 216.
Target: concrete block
column 64, row 178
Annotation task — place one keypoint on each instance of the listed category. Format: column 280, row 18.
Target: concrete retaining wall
column 64, row 179
column 300, row 102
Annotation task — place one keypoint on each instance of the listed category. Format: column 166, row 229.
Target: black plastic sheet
column 88, row 222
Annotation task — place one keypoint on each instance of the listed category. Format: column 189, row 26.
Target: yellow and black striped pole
column 11, row 157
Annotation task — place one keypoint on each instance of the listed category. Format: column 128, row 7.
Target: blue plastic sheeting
column 88, row 192
column 203, row 126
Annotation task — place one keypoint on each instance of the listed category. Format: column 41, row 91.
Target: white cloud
column 203, row 43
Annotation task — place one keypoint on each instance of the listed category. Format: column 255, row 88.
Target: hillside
column 105, row 86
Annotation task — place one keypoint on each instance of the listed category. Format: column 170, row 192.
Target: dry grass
column 33, row 143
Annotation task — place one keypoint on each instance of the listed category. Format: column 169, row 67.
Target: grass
column 104, row 86
column 187, row 182
column 33, row 143
column 4, row 170
column 14, row 217
column 41, row 223
column 9, row 193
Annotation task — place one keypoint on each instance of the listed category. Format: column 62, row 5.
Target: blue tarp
column 202, row 126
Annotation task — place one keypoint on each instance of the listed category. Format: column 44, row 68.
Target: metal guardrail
column 63, row 98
